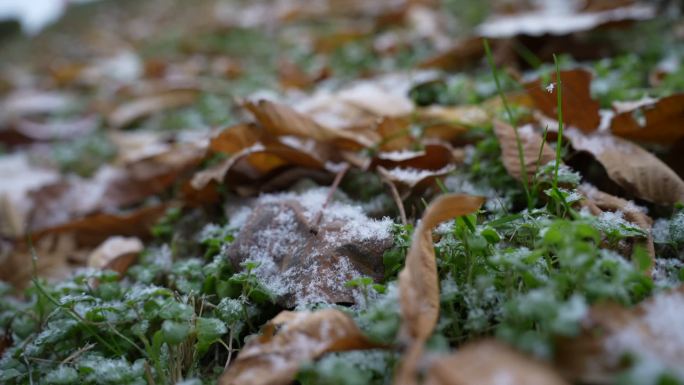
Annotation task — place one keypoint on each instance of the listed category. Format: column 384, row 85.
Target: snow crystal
column 550, row 87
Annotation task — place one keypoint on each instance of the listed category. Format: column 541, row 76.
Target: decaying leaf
column 489, row 362
column 279, row 120
column 579, row 109
column 548, row 21
column 598, row 201
column 662, row 121
column 418, row 283
column 57, row 254
column 535, row 151
column 630, row 166
column 116, row 253
column 19, row 177
column 461, row 54
column 129, row 112
column 650, row 332
column 302, row 262
column 289, row 340
column 91, row 230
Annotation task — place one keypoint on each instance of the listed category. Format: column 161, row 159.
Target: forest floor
column 344, row 192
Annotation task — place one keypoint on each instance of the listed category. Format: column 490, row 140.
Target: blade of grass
column 513, row 123
column 559, row 107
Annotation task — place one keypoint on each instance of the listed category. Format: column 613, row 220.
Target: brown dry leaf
column 598, row 201
column 418, row 283
column 663, row 121
column 531, row 144
column 395, row 133
column 411, row 179
column 280, row 120
column 650, row 331
column 547, row 21
column 459, row 55
column 257, row 160
column 111, row 188
column 489, row 362
column 93, row 229
column 289, row 340
column 235, row 138
column 27, row 130
column 55, row 253
column 129, row 112
column 433, row 156
column 579, row 109
column 630, row 166
column 306, row 262
column 116, row 253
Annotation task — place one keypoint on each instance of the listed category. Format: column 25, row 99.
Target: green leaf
column 175, row 332
column 209, row 330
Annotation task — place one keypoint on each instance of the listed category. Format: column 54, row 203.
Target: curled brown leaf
column 488, row 362
column 663, row 121
column 289, row 340
column 651, row 332
column 636, row 170
column 535, row 151
column 418, row 283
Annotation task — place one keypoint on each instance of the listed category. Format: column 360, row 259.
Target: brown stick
column 336, row 183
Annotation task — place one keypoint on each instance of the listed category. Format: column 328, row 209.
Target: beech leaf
column 579, row 109
column 289, row 340
column 663, row 121
column 418, row 283
column 631, row 167
column 489, row 362
column 531, row 144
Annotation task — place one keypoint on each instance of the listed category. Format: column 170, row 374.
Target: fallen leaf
column 280, row 120
column 116, row 253
column 662, row 121
column 651, row 332
column 636, row 170
column 129, row 112
column 302, row 262
column 418, row 283
column 91, row 230
column 288, row 341
column 19, row 177
column 409, row 179
column 432, row 156
column 56, row 254
column 28, row 130
column 598, row 201
column 257, row 160
column 461, row 54
column 534, row 155
column 548, row 21
column 489, row 362
column 579, row 109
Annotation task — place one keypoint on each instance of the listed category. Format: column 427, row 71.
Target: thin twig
column 230, row 349
column 338, row 178
column 385, row 176
column 77, row 353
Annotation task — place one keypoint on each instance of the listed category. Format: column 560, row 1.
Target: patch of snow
column 398, row 156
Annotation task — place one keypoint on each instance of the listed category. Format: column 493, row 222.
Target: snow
column 398, row 156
